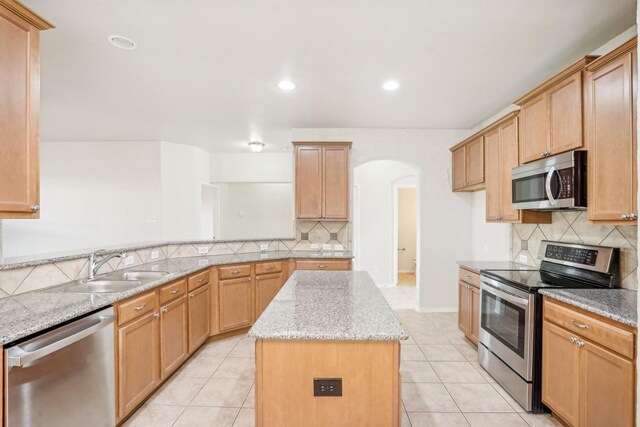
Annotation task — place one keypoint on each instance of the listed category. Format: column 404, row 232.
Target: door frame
column 396, row 186
column 216, row 205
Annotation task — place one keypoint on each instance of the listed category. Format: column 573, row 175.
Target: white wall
column 375, row 238
column 252, row 167
column 445, row 224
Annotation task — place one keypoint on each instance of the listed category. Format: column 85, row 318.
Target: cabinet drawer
column 137, row 307
column 234, row 272
column 198, row 280
column 172, row 291
column 268, row 267
column 469, row 277
column 323, row 265
column 609, row 336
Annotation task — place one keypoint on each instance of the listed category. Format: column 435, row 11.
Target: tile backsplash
column 572, row 226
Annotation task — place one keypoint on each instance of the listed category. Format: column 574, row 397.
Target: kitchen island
column 328, row 353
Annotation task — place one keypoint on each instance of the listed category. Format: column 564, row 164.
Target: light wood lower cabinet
column 199, row 313
column 173, row 336
column 267, row 286
column 464, row 308
column 469, row 304
column 584, row 381
column 235, row 297
column 138, row 361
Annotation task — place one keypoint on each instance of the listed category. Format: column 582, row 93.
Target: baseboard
column 386, row 286
column 437, row 309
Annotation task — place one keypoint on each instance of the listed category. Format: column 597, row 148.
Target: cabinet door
column 475, row 162
column 607, row 388
column 335, row 200
column 508, row 160
column 236, row 308
column 19, row 117
column 308, row 182
column 464, row 308
column 173, row 335
column 492, row 181
column 611, row 141
column 565, row 115
column 458, row 169
column 560, row 373
column 534, row 135
column 474, row 320
column 266, row 289
column 138, row 361
column 199, row 316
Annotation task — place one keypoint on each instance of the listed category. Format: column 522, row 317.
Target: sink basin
column 102, row 286
column 143, row 275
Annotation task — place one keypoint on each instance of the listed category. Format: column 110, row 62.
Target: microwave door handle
column 550, row 174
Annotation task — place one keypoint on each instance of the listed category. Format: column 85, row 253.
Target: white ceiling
column 206, row 71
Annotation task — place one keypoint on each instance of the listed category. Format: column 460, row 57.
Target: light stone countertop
column 25, row 314
column 477, row 266
column 620, row 305
column 329, row 305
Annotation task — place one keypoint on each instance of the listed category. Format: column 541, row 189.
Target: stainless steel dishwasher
column 64, row 377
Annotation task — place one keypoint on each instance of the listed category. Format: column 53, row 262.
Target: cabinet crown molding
column 486, row 129
column 324, row 143
column 572, row 69
column 616, row 53
column 27, row 14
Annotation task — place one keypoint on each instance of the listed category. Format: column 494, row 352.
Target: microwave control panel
column 566, row 183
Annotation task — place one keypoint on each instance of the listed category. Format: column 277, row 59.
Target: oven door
column 506, row 325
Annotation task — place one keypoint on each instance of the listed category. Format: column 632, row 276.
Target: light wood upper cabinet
column 551, row 118
column 611, row 91
column 322, row 180
column 235, row 298
column 20, row 111
column 173, row 335
column 199, row 313
column 467, row 166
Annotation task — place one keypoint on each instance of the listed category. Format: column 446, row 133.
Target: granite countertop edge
column 478, row 266
column 91, row 302
column 626, row 315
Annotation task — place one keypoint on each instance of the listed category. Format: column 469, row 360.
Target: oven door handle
column 505, row 295
column 550, row 174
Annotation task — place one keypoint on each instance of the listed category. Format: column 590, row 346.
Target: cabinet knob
column 165, row 309
column 322, row 266
column 580, row 343
column 156, row 315
column 175, row 291
column 191, row 295
column 35, row 208
column 625, row 217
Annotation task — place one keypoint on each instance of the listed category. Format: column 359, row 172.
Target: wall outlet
column 129, row 260
column 155, row 255
column 203, row 250
column 523, row 258
column 326, row 247
column 264, row 246
column 338, row 247
column 315, row 246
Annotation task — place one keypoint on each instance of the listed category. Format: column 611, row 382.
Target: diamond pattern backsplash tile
column 574, row 227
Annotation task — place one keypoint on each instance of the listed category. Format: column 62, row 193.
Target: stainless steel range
column 510, row 337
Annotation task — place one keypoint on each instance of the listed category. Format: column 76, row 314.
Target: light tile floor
column 443, row 385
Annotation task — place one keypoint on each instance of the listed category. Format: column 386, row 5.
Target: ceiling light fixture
column 256, row 146
column 122, row 42
column 286, row 85
column 390, row 85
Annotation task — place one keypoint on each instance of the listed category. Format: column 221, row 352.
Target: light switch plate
column 129, row 260
column 203, row 250
column 523, row 258
column 338, row 247
column 155, row 255
column 264, row 246
column 326, row 247
column 315, row 246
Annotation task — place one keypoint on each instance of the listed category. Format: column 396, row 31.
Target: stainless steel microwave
column 554, row 183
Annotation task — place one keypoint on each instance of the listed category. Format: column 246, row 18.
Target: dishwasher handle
column 18, row 357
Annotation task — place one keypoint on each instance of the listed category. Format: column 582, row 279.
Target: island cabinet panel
column 20, row 110
column 611, row 91
column 285, row 372
column 267, row 286
column 138, row 362
column 236, row 309
column 199, row 316
column 173, row 335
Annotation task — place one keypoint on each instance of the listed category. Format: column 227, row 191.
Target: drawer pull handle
column 191, row 295
column 165, row 309
column 323, row 266
column 200, row 280
column 235, row 272
column 468, row 277
column 175, row 291
column 140, row 307
column 579, row 325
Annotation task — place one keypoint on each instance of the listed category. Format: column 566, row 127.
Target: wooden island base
column 285, row 373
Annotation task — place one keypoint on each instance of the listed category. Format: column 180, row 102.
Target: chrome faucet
column 95, row 266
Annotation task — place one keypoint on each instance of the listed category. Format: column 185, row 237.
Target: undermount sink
column 103, row 286
column 144, row 275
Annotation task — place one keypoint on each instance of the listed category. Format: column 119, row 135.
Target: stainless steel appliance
column 510, row 335
column 64, row 377
column 553, row 183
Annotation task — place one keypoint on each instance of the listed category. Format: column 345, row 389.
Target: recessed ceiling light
column 122, row 42
column 390, row 85
column 256, row 146
column 286, row 85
